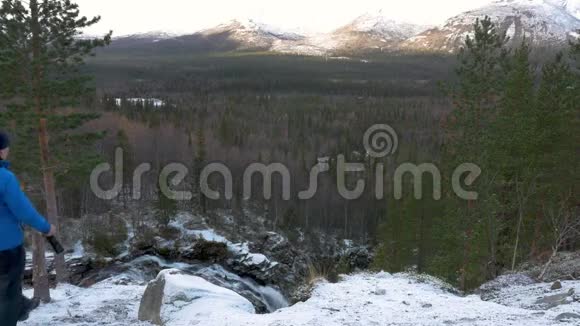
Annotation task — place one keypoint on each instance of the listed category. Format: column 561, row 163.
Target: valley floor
column 358, row 300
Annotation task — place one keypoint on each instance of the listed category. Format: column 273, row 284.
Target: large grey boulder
column 150, row 307
column 552, row 301
column 567, row 316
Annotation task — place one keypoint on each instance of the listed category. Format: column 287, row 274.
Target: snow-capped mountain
column 373, row 31
column 152, row 35
column 249, row 34
column 381, row 26
column 367, row 33
column 545, row 23
column 573, row 7
column 143, row 40
column 238, row 34
column 542, row 22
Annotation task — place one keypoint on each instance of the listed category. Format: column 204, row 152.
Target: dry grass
column 322, row 270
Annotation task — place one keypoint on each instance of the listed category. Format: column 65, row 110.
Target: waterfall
column 271, row 298
column 266, row 299
column 274, row 299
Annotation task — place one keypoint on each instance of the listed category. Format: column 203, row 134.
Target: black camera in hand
column 55, row 244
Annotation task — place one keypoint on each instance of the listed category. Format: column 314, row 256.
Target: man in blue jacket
column 15, row 211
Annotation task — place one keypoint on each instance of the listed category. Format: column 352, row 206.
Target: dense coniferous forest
column 495, row 106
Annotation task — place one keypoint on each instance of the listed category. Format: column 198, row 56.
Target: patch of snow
column 78, row 250
column 160, row 262
column 340, row 58
column 155, row 36
column 511, row 31
column 154, row 102
column 257, row 259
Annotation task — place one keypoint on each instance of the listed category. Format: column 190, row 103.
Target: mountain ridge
column 542, row 22
column 545, row 23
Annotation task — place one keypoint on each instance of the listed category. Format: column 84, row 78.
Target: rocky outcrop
column 207, row 251
column 262, row 266
column 358, row 258
column 490, row 290
column 174, row 296
column 564, row 267
column 521, row 291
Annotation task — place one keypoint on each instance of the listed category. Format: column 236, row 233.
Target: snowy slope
column 249, row 34
column 361, row 300
column 378, row 24
column 543, row 22
column 573, row 7
column 106, row 303
column 373, row 31
column 367, row 33
column 152, row 35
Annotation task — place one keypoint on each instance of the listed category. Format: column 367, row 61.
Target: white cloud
column 133, row 16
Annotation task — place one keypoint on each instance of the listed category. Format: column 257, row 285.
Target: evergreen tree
column 523, row 139
column 483, row 62
column 511, row 145
column 40, row 57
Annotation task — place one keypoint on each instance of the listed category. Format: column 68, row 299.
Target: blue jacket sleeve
column 21, row 207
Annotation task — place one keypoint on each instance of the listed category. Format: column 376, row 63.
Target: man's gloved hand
column 52, row 231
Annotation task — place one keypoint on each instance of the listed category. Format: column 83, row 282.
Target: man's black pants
column 12, row 264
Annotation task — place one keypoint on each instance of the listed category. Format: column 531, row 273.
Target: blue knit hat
column 4, row 140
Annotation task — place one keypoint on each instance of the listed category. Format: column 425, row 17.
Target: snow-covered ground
column 106, row 303
column 362, row 299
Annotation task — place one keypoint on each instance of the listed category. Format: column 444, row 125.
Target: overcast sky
column 135, row 16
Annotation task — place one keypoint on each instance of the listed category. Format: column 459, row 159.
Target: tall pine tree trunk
column 50, row 196
column 40, row 275
column 346, row 218
column 422, row 239
column 466, row 247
